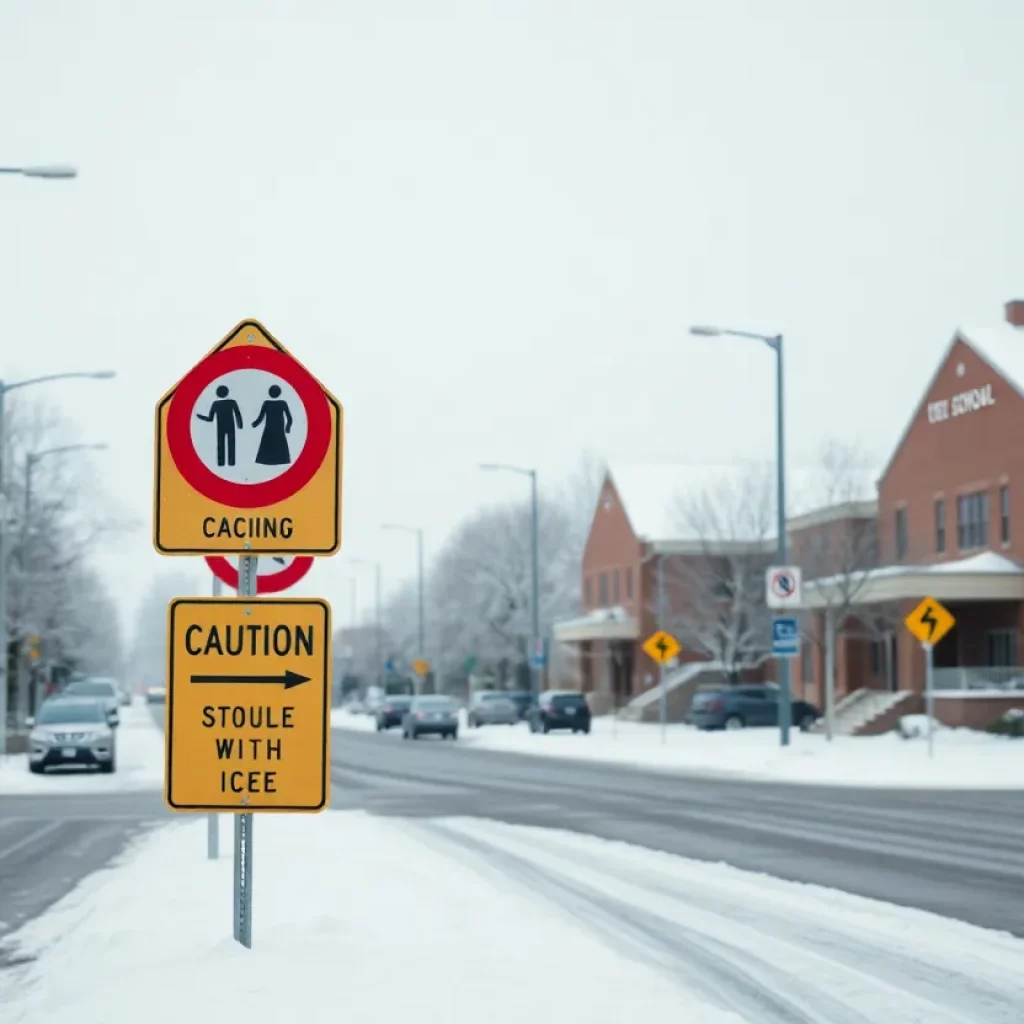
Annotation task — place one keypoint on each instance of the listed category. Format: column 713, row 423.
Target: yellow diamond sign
column 662, row 647
column 929, row 621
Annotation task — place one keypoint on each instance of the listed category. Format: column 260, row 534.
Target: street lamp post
column 31, row 460
column 378, row 614
column 774, row 342
column 51, row 172
column 535, row 640
column 4, row 505
column 420, row 638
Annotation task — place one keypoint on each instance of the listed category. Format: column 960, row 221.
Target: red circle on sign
column 266, row 492
column 271, row 583
column 779, row 588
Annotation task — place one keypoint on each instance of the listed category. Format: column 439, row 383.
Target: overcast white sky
column 487, row 226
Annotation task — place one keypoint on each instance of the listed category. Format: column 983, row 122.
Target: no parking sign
column 783, row 586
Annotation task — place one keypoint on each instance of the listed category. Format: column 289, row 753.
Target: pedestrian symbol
column 249, row 426
column 229, row 418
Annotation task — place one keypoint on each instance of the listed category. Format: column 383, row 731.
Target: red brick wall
column 974, row 712
column 979, row 450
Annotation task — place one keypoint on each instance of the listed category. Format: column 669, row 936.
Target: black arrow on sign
column 285, row 679
column 662, row 647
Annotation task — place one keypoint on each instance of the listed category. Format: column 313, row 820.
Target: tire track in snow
column 723, row 976
column 772, row 965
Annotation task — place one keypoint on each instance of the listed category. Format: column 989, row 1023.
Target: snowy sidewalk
column 353, row 918
column 963, row 759
column 451, row 921
column 140, row 763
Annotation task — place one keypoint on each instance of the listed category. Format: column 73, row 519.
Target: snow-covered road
column 448, row 920
column 773, row 952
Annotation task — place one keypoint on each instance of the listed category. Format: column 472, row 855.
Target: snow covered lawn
column 963, row 759
column 453, row 921
column 354, row 918
column 140, row 763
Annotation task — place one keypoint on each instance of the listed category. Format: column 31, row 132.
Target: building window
column 1001, row 648
column 972, row 520
column 602, row 590
column 588, row 593
column 629, row 584
column 1004, row 514
column 615, row 587
column 940, row 527
column 901, row 533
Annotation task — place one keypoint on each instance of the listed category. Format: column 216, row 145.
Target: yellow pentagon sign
column 929, row 621
column 248, row 704
column 248, row 455
column 421, row 667
column 662, row 647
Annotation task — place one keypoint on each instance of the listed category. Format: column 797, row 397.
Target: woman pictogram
column 276, row 418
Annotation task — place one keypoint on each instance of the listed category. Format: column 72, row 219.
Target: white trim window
column 972, row 520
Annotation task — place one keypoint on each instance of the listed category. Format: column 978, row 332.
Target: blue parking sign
column 785, row 637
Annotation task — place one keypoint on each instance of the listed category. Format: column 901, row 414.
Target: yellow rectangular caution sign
column 248, row 704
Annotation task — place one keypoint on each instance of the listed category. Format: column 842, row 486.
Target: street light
column 418, row 532
column 52, row 172
column 4, row 388
column 535, row 651
column 379, row 629
column 31, row 459
column 774, row 342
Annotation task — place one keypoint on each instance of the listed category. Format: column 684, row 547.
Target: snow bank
column 963, row 759
column 355, row 917
column 140, row 763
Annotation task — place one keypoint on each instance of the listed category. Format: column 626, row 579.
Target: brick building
column 946, row 530
column 711, row 528
column 936, row 521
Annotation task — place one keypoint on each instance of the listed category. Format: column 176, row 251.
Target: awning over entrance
column 602, row 624
column 983, row 577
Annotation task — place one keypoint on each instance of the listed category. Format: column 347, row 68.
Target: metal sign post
column 663, row 696
column 212, row 825
column 929, row 703
column 244, row 822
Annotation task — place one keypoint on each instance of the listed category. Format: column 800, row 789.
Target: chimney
column 1015, row 312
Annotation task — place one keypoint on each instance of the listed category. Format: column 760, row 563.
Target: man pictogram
column 229, row 419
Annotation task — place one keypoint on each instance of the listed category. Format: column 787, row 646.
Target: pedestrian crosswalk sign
column 248, row 455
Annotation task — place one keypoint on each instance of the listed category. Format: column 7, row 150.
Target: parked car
column 560, row 709
column 522, row 700
column 103, row 690
column 491, row 707
column 391, row 713
column 156, row 695
column 736, row 707
column 67, row 731
column 433, row 714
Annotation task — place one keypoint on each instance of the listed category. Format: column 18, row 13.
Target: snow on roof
column 986, row 563
column 1002, row 347
column 655, row 496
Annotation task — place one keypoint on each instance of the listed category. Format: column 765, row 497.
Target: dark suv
column 391, row 711
column 560, row 709
column 735, row 707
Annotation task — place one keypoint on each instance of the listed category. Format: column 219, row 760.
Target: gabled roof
column 1001, row 346
column 652, row 494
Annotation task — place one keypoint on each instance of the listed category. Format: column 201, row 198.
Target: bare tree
column 839, row 555
column 715, row 595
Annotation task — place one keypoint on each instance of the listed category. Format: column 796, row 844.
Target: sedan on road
column 71, row 732
column 392, row 712
column 432, row 714
column 560, row 709
column 736, row 707
column 491, row 707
